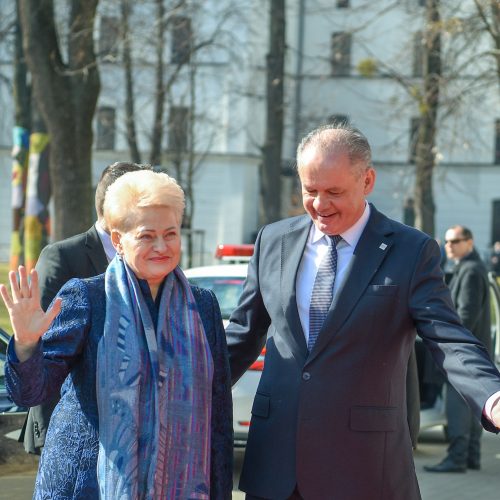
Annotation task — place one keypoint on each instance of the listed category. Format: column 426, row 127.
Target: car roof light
column 258, row 365
column 234, row 253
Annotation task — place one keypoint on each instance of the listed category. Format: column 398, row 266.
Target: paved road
column 473, row 485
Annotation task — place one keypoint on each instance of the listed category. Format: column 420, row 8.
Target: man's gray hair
column 338, row 137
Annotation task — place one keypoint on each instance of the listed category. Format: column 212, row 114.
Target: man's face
column 456, row 246
column 333, row 190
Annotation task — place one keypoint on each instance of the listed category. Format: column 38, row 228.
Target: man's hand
column 28, row 319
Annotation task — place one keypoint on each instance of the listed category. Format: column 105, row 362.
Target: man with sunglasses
column 470, row 293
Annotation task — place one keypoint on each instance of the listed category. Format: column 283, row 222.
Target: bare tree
column 270, row 178
column 179, row 65
column 425, row 160
column 160, row 90
column 131, row 133
column 488, row 12
column 22, row 123
column 66, row 92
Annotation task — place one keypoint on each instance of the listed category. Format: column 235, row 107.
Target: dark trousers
column 295, row 496
column 464, row 430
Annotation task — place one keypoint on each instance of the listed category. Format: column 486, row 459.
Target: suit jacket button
column 306, row 376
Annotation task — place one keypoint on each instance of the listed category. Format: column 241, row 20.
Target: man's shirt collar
column 352, row 235
column 105, row 238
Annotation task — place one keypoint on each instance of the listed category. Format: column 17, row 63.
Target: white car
column 226, row 281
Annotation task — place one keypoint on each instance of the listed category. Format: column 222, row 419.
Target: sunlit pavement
column 473, row 485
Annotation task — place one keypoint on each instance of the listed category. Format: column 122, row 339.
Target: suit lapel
column 372, row 248
column 95, row 251
column 292, row 249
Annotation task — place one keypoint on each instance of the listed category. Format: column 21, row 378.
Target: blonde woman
column 145, row 409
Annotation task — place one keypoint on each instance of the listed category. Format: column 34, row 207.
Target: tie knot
column 334, row 238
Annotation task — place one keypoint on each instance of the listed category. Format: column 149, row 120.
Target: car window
column 226, row 289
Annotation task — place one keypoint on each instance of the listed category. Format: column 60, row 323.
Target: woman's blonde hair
column 140, row 189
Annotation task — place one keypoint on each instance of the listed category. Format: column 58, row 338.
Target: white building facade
column 341, row 61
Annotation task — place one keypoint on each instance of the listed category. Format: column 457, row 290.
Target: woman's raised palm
column 28, row 319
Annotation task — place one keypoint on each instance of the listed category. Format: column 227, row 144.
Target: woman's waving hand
column 28, row 319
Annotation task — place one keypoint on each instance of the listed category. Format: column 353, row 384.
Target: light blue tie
column 322, row 293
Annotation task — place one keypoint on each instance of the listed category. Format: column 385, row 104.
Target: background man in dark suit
column 329, row 416
column 81, row 256
column 471, row 295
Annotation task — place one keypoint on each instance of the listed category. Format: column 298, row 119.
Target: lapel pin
column 382, row 246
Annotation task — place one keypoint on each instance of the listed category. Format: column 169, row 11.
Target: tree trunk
column 38, row 191
column 20, row 146
column 426, row 140
column 189, row 213
column 270, row 178
column 67, row 96
column 22, row 91
column 157, row 133
column 135, row 154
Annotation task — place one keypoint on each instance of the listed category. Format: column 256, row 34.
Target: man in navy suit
column 81, row 256
column 329, row 415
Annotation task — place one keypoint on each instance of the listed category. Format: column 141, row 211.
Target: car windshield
column 227, row 290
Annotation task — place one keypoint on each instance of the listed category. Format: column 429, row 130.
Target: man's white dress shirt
column 105, row 238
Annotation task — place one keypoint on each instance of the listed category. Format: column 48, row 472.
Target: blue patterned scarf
column 154, row 393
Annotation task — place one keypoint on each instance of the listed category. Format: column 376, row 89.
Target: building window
column 414, row 125
column 418, row 54
column 341, row 54
column 108, row 38
column 182, row 38
column 105, row 128
column 497, row 142
column 342, row 4
column 339, row 119
column 178, row 122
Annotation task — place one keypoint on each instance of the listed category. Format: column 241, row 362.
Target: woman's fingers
column 23, row 283
column 14, row 287
column 25, row 288
column 6, row 297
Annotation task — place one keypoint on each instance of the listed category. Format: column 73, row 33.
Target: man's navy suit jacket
column 333, row 421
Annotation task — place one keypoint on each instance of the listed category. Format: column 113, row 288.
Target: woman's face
column 152, row 247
